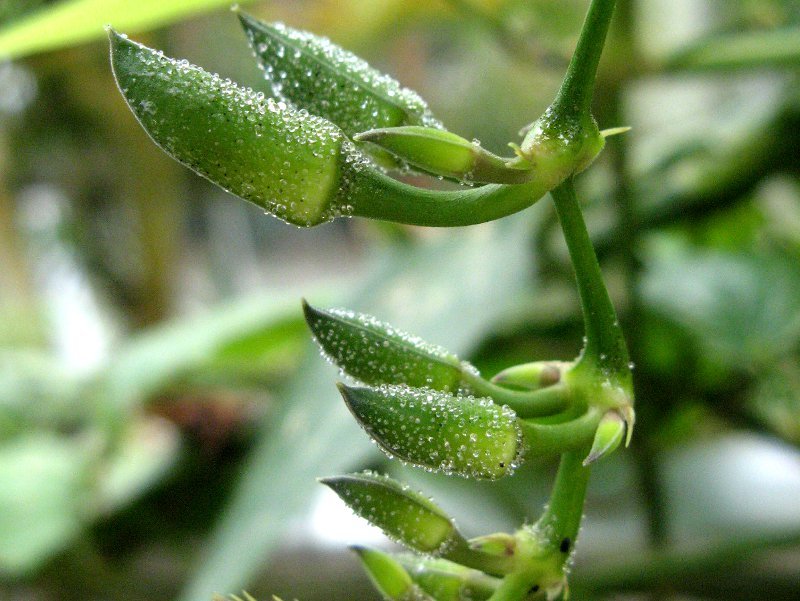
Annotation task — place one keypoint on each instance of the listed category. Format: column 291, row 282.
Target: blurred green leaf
column 146, row 452
column 776, row 399
column 42, row 498
column 36, row 392
column 71, row 22
column 750, row 49
column 225, row 337
column 315, row 435
column 742, row 309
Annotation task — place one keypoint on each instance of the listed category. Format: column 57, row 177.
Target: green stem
column 575, row 95
column 575, row 434
column 562, row 519
column 535, row 403
column 605, row 346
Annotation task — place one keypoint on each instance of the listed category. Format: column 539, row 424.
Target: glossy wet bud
column 404, row 515
column 468, row 436
column 609, row 434
column 315, row 74
column 447, row 581
column 499, row 544
column 288, row 162
column 296, row 165
column 375, row 352
column 389, row 576
column 444, row 153
column 532, row 376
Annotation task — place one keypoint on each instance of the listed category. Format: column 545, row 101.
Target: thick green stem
column 561, row 521
column 575, row 95
column 605, row 346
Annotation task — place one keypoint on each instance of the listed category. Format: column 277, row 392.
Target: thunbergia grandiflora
column 321, row 145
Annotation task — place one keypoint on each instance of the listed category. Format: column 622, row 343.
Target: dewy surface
column 375, row 352
column 315, row 74
column 293, row 164
column 468, row 436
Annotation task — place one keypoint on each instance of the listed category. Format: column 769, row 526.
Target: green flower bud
column 532, row 376
column 375, row 353
column 498, row 544
column 389, row 576
column 443, row 153
column 457, row 435
column 288, row 162
column 404, row 515
column 298, row 166
column 448, row 581
column 315, row 74
column 609, row 434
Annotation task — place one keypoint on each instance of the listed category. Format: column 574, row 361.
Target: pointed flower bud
column 610, row 432
column 376, row 353
column 389, row 576
column 443, row 153
column 533, row 376
column 457, row 435
column 404, row 515
column 285, row 161
column 313, row 73
column 500, row 544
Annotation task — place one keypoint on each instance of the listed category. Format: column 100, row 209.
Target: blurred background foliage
column 163, row 413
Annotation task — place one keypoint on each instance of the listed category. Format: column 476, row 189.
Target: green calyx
column 557, row 148
column 405, row 516
column 446, row 154
column 467, row 436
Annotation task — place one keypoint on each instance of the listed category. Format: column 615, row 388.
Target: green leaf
column 314, row 74
column 775, row 400
column 750, row 49
column 404, row 515
column 389, row 576
column 70, row 22
column 444, row 153
column 456, row 435
column 712, row 294
column 374, row 352
column 288, row 162
column 313, row 433
column 42, row 499
column 168, row 354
